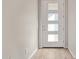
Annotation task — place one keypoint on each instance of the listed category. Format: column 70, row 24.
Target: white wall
column 72, row 26
column 20, row 28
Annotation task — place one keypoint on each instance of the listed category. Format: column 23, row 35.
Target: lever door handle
column 43, row 27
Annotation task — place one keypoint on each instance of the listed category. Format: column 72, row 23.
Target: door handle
column 63, row 28
column 43, row 27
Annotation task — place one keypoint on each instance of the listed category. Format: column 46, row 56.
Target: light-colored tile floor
column 52, row 53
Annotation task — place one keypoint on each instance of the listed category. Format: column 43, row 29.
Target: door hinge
column 63, row 29
column 63, row 41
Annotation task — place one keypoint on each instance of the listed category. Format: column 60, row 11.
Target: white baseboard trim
column 33, row 54
column 72, row 53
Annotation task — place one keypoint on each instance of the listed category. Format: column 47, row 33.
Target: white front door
column 52, row 23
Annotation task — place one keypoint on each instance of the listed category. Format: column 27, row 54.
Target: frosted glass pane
column 52, row 27
column 52, row 37
column 52, row 16
column 52, row 6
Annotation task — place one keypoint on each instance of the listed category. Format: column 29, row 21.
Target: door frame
column 40, row 25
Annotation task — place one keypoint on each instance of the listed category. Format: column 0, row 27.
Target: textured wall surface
column 72, row 26
column 20, row 28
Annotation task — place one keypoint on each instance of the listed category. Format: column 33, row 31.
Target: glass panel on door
column 52, row 16
column 53, row 6
column 52, row 27
column 52, row 37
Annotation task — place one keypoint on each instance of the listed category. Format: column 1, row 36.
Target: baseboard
column 72, row 54
column 33, row 53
